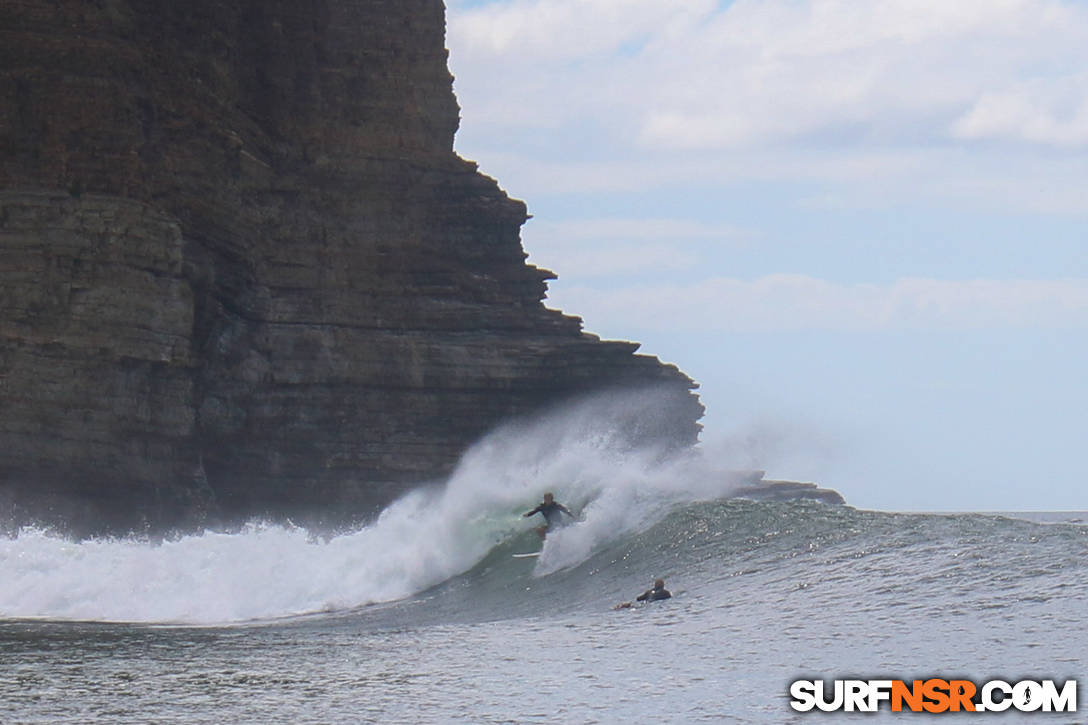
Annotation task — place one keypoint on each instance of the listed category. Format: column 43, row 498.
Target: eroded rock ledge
column 242, row 271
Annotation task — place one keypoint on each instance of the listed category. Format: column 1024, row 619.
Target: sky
column 862, row 227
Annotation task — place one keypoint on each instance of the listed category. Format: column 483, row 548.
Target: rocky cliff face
column 243, row 272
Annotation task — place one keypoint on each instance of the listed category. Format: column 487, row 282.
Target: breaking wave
column 442, row 553
column 593, row 455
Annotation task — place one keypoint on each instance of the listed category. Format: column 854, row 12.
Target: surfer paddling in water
column 656, row 594
column 553, row 514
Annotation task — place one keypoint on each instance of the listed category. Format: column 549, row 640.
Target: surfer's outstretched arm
column 527, row 514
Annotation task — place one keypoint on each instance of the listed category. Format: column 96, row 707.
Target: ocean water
column 425, row 615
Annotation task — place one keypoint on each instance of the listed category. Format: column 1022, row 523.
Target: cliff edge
column 242, row 271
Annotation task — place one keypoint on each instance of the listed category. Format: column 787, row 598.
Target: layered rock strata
column 242, row 271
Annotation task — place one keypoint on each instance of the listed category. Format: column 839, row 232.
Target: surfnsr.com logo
column 933, row 695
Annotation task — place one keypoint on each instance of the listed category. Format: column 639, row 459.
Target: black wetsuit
column 652, row 595
column 552, row 513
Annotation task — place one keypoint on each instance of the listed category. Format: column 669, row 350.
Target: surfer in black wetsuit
column 658, row 593
column 552, row 511
column 652, row 595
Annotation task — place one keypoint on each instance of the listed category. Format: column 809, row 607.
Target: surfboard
column 526, row 556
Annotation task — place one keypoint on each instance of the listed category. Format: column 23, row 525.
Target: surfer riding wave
column 552, row 511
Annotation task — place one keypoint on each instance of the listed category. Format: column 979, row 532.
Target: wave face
column 443, row 553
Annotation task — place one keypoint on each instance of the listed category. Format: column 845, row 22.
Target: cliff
column 243, row 272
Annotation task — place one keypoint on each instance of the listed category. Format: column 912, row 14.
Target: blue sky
column 860, row 226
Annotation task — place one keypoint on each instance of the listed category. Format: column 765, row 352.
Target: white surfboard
column 526, row 556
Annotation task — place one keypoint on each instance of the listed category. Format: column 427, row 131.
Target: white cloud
column 1052, row 112
column 962, row 102
column 564, row 29
column 785, row 302
column 694, row 76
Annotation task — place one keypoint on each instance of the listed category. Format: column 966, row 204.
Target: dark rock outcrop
column 769, row 490
column 752, row 484
column 242, row 271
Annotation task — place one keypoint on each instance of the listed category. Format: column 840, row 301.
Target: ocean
column 425, row 615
